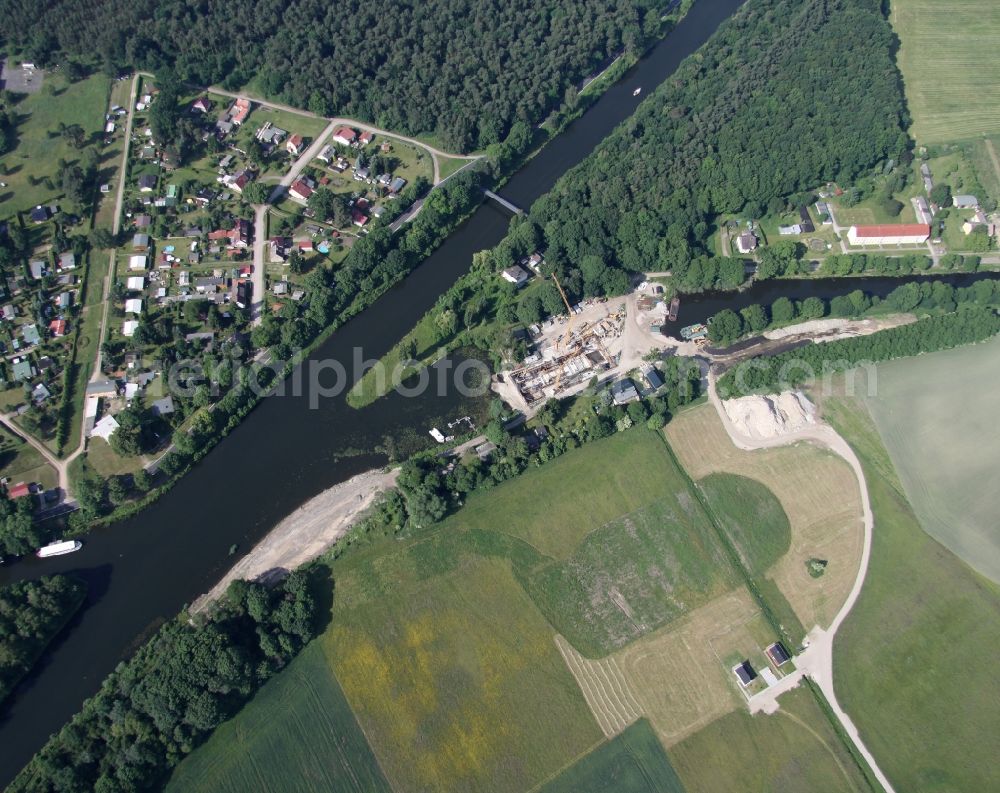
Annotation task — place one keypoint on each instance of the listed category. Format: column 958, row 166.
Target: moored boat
column 58, row 548
column 675, row 306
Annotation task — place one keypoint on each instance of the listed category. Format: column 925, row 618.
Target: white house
column 889, row 234
column 746, row 242
column 345, row 136
column 133, row 306
column 137, row 262
column 129, row 327
column 136, row 282
column 965, row 201
column 105, row 428
column 515, row 275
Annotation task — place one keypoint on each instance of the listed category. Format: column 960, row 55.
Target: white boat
column 59, row 548
column 637, row 91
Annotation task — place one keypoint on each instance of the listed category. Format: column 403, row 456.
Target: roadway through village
column 816, row 660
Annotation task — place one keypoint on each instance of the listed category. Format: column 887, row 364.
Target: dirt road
column 307, row 532
column 816, row 660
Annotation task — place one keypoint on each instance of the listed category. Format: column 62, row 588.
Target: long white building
column 889, row 234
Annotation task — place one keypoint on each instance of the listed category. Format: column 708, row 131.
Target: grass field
column 950, row 70
column 454, row 675
column 752, row 517
column 633, row 762
column 915, row 661
column 40, row 146
column 300, row 716
column 634, row 575
column 22, row 463
column 555, row 507
column 935, row 435
column 794, row 751
column 820, row 498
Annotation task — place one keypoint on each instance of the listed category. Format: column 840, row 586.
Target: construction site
column 596, row 338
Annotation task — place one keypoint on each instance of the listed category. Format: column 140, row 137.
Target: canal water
column 143, row 570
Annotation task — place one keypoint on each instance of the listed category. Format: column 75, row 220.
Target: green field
column 951, row 72
column 300, row 716
column 938, row 438
column 634, row 575
column 452, row 672
column 21, row 462
column 631, row 762
column 556, row 506
column 915, row 661
column 752, row 516
column 793, row 751
column 40, row 146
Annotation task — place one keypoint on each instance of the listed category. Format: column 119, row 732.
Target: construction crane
column 566, row 333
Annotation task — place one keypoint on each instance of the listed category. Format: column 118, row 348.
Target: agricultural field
column 792, row 750
column 555, row 507
column 300, row 716
column 938, row 439
column 915, row 663
column 951, row 74
column 633, row 762
column 818, row 494
column 40, row 146
column 452, row 672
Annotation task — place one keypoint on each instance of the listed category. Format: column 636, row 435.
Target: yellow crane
column 566, row 333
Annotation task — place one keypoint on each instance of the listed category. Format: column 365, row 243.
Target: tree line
column 727, row 325
column 463, row 70
column 31, row 613
column 969, row 324
column 159, row 705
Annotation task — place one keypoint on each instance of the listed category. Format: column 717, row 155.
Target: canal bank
column 143, row 570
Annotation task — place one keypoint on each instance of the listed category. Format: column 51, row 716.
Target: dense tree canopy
column 31, row 612
column 465, row 70
column 780, row 100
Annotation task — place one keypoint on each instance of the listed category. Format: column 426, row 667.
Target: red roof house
column 19, row 490
column 57, row 327
column 359, row 218
column 294, row 145
column 239, row 111
column 366, row 138
column 344, row 136
column 300, row 190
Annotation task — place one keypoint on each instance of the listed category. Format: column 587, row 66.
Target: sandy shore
column 307, row 532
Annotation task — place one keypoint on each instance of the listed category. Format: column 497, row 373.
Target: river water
column 144, row 570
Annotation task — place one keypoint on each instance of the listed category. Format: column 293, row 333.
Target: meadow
column 632, row 762
column 915, row 661
column 21, row 462
column 300, row 716
column 937, row 437
column 951, row 74
column 794, row 750
column 40, row 147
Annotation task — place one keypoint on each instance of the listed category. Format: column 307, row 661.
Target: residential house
column 129, row 327
column 64, row 300
column 136, row 283
column 241, row 180
column 9, row 313
column 143, row 221
column 280, row 247
column 244, row 293
column 345, row 136
column 270, row 135
column 965, row 202
column 241, row 234
column 133, row 306
column 239, row 111
column 20, row 490
column 358, row 218
column 744, row 673
column 137, row 262
column 37, row 268
column 204, row 196
column 300, row 190
column 366, row 138
column 397, row 184
column 327, row 154
column 746, row 242
column 40, row 393
column 295, row 145
column 978, row 221
column 163, row 407
column 789, row 230
column 58, row 327
column 30, row 335
column 623, row 391
column 140, row 242
column 515, row 275
column 21, row 369
column 40, row 214
column 67, row 261
column 201, row 105
column 147, row 183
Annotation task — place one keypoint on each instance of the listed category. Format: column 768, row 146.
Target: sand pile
column 770, row 416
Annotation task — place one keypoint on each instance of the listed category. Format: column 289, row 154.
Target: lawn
column 301, row 717
column 950, row 70
column 23, row 463
column 557, row 505
column 632, row 762
column 793, row 750
column 452, row 673
column 107, row 462
column 915, row 661
column 752, row 517
column 951, row 477
column 40, row 146
column 448, row 165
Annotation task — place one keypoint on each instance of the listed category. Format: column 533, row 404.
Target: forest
column 31, row 613
column 461, row 70
column 779, row 101
column 157, row 706
column 969, row 324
